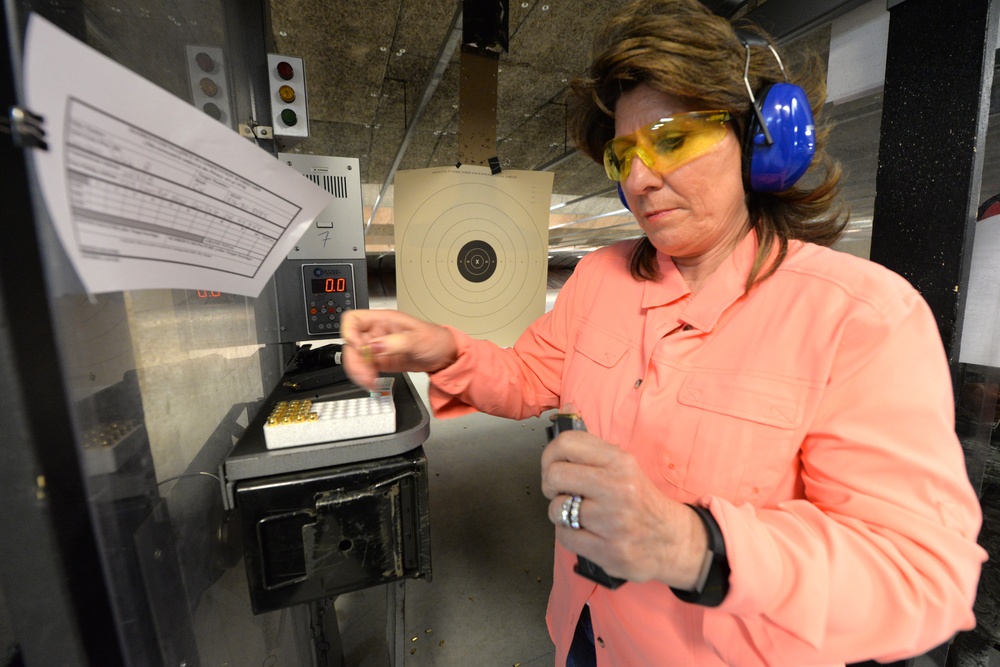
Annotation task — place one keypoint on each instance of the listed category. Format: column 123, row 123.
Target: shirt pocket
column 592, row 381
column 600, row 347
column 734, row 435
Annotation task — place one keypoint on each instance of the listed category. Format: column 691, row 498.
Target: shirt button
column 756, row 490
column 638, row 383
column 600, row 641
column 671, row 466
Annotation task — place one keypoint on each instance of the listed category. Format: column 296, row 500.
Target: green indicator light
column 213, row 110
column 289, row 117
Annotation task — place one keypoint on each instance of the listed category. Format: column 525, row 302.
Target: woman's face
column 697, row 212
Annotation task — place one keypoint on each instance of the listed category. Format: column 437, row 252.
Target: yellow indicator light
column 208, row 87
column 287, row 94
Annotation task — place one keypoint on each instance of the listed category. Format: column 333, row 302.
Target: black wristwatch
column 716, row 584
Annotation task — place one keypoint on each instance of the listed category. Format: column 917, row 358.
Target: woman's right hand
column 388, row 341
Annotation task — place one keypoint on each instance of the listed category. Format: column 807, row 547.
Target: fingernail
column 377, row 347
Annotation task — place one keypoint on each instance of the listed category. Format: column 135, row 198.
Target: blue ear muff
column 779, row 156
column 780, row 137
column 621, row 195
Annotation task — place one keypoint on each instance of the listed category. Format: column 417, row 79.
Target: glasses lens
column 667, row 144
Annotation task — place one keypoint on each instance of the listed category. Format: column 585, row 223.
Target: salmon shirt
column 813, row 416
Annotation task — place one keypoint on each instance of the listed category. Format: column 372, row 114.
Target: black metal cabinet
column 309, row 535
column 324, row 519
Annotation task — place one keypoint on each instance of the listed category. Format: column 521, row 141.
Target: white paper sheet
column 146, row 191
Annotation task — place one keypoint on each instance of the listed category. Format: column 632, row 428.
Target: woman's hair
column 680, row 48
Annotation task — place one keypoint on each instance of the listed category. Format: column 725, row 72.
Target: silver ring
column 564, row 513
column 574, row 512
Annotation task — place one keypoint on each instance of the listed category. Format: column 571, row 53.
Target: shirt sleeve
column 518, row 382
column 879, row 559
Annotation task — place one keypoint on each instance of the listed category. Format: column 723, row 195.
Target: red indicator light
column 289, row 117
column 205, row 61
column 285, row 70
column 287, row 94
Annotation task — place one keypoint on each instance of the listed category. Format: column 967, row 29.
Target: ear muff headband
column 780, row 138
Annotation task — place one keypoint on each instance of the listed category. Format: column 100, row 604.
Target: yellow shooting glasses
column 667, row 144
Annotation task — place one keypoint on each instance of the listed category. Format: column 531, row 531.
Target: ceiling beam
column 786, row 20
column 451, row 41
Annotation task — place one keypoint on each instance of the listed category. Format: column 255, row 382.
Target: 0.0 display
column 329, row 285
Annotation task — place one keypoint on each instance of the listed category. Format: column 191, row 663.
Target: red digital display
column 329, row 285
column 207, row 294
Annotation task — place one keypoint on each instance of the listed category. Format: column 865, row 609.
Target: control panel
column 330, row 290
column 326, row 272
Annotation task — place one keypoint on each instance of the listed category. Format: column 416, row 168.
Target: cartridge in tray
column 303, row 422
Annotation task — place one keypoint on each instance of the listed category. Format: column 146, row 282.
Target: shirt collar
column 721, row 290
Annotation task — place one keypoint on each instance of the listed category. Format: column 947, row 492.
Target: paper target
column 471, row 251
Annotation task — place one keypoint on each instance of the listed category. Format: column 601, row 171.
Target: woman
column 770, row 460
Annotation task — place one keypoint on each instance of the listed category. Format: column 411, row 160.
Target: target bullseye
column 477, row 261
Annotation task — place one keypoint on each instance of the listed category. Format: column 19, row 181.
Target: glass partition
column 162, row 383
column 978, row 395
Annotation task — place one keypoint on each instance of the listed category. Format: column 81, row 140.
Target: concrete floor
column 491, row 555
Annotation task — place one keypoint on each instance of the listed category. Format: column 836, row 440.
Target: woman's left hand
column 627, row 525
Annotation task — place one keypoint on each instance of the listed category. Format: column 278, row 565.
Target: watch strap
column 715, row 583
